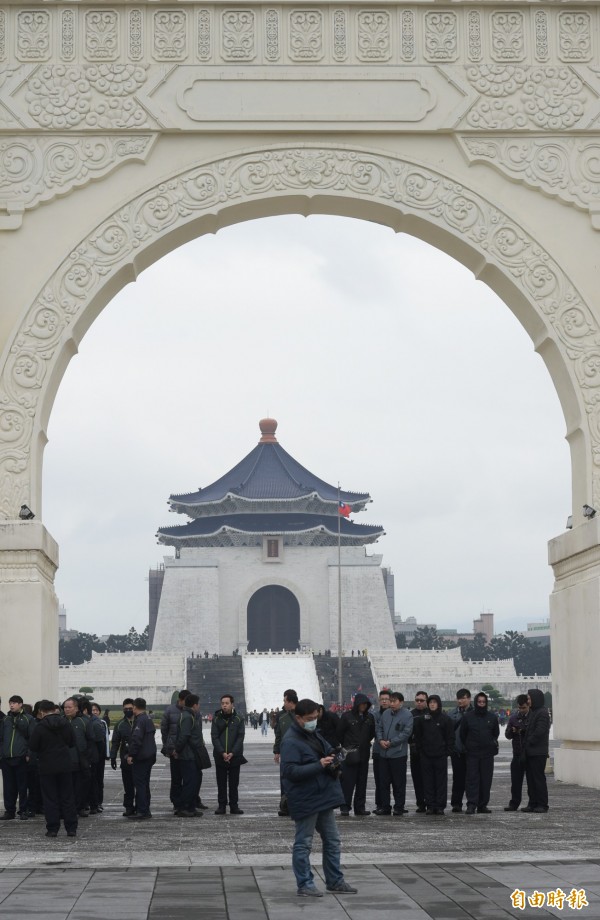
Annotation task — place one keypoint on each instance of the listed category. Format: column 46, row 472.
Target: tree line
column 530, row 657
column 80, row 647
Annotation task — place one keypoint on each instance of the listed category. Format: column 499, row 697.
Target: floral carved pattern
column 272, row 35
column 441, row 38
column 170, row 35
column 474, row 42
column 67, row 35
column 575, row 31
column 136, row 35
column 101, row 35
column 96, row 96
column 541, row 35
column 565, row 168
column 507, row 36
column 374, row 37
column 340, row 36
column 548, row 98
column 408, row 35
column 2, row 35
column 238, row 35
column 413, row 189
column 306, row 35
column 33, row 35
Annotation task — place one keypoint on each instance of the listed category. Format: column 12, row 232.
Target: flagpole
column 340, row 679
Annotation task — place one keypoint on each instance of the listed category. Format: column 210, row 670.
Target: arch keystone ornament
column 128, row 129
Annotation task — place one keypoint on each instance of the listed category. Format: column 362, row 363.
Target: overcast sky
column 388, row 368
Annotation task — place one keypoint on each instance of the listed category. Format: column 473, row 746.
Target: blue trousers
column 141, row 770
column 324, row 823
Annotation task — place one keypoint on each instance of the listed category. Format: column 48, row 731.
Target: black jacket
column 121, row 737
column 142, row 745
column 328, row 726
column 52, row 739
column 227, row 736
column 79, row 752
column 536, row 742
column 515, row 731
column 479, row 730
column 434, row 734
column 356, row 729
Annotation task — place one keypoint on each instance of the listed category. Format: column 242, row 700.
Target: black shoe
column 236, row 811
column 200, row 804
column 84, row 813
column 344, row 812
column 421, row 810
column 94, row 811
column 183, row 813
column 362, row 814
column 398, row 812
column 7, row 816
column 283, row 814
column 470, row 810
column 430, row 810
column 71, row 833
column 457, row 809
column 51, row 833
column 221, row 810
column 382, row 811
column 527, row 808
column 23, row 816
column 128, row 812
column 439, row 811
column 484, row 811
column 31, row 814
column 540, row 810
column 138, row 817
column 511, row 808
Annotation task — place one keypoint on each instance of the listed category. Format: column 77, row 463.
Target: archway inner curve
column 273, row 618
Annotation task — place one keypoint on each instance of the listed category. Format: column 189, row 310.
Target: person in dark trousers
column 227, row 735
column 101, row 742
column 384, row 703
column 17, row 726
column 459, row 757
column 188, row 744
column 35, row 806
column 52, row 740
column 168, row 731
column 536, row 744
column 434, row 736
column 119, row 747
column 419, row 710
column 356, row 731
column 311, row 784
column 141, row 757
column 479, row 731
column 80, row 764
column 85, row 711
column 515, row 732
column 284, row 720
column 393, row 732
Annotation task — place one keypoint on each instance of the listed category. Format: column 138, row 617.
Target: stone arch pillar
column 399, row 191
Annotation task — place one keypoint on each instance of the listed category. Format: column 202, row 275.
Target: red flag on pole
column 344, row 509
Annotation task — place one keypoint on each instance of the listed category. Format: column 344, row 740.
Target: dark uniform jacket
column 517, row 720
column 79, row 752
column 308, row 786
column 142, row 745
column 282, row 724
column 189, row 741
column 456, row 715
column 356, row 730
column 52, row 740
column 121, row 737
column 227, row 736
column 537, row 733
column 16, row 731
column 168, row 727
column 479, row 730
column 434, row 734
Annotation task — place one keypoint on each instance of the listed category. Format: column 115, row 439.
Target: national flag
column 344, row 509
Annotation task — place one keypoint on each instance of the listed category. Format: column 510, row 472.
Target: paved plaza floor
column 239, row 867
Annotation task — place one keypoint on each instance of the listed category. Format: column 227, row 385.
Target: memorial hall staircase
column 357, row 678
column 210, row 678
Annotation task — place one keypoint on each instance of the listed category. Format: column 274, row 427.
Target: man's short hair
column 462, row 693
column 139, row 702
column 384, row 692
column 291, row 696
column 16, row 699
column 128, row 701
column 305, row 707
column 85, row 706
column 421, row 693
column 228, row 696
column 183, row 694
column 521, row 699
column 191, row 700
column 46, row 706
column 396, row 695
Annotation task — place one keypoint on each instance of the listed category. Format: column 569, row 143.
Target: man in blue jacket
column 393, row 731
column 141, row 757
column 311, row 784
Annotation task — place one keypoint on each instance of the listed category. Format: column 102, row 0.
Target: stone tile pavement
column 238, row 868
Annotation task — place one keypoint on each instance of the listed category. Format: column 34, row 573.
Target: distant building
column 538, row 631
column 409, row 626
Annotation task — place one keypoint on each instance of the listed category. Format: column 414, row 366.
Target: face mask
column 310, row 726
column 128, row 713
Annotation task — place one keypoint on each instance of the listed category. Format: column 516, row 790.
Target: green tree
column 128, row 642
column 79, row 648
column 400, row 640
column 426, row 637
column 475, row 649
column 494, row 695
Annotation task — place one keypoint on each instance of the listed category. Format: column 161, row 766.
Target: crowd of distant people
column 53, row 760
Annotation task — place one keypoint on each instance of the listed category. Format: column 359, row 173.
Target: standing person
column 328, row 724
column 101, row 740
column 515, row 732
column 141, row 757
column 106, row 718
column 187, row 751
column 479, row 731
column 284, row 720
column 119, row 745
column 312, row 787
column 393, row 732
column 459, row 757
column 434, row 736
column 420, row 708
column 263, row 721
column 384, row 703
column 85, row 711
column 80, row 764
column 355, row 733
column 537, row 747
column 168, row 731
column 52, row 740
column 227, row 734
column 17, row 726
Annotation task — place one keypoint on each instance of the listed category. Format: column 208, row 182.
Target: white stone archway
column 127, row 129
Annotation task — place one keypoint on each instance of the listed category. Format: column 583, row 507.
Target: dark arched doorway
column 273, row 620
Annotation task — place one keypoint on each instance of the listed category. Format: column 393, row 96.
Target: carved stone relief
column 347, row 173
column 37, row 169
